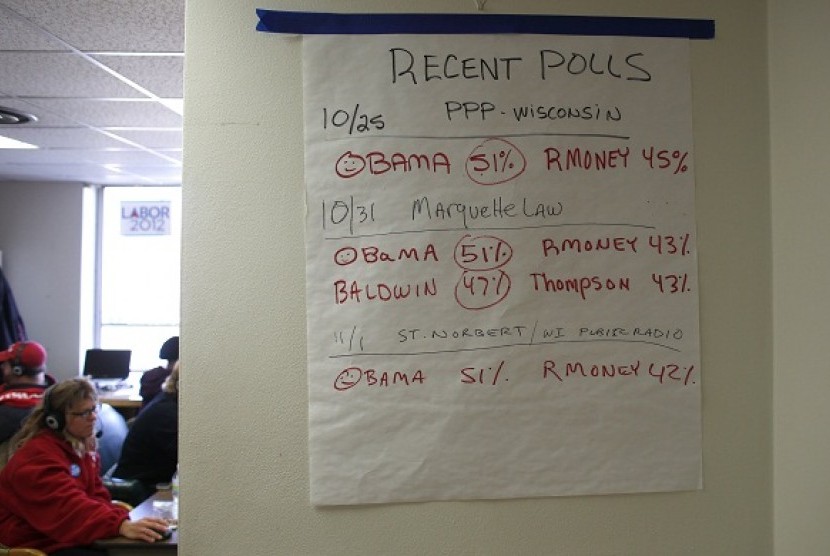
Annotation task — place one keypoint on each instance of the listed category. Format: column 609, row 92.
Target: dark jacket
column 151, row 451
column 12, row 328
column 151, row 383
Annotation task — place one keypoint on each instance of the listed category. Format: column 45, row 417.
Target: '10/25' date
column 353, row 120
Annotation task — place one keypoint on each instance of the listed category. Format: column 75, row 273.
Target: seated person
column 151, row 450
column 53, row 498
column 24, row 379
column 152, row 380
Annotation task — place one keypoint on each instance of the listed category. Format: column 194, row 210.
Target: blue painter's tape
column 318, row 23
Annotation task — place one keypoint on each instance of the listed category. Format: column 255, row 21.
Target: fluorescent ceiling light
column 8, row 143
column 174, row 104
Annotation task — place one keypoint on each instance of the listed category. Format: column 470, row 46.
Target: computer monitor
column 107, row 363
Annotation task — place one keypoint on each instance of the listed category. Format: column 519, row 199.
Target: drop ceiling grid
column 52, row 50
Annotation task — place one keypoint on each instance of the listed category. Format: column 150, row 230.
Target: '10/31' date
column 346, row 211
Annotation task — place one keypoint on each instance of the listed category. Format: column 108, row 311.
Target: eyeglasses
column 86, row 413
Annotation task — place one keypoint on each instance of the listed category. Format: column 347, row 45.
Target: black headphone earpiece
column 55, row 420
column 17, row 367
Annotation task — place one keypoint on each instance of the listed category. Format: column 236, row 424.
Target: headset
column 55, row 420
column 17, row 365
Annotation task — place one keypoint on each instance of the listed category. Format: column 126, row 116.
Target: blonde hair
column 60, row 397
column 171, row 383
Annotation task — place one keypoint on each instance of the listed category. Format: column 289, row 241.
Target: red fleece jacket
column 50, row 498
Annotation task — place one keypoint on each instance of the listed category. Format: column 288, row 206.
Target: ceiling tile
column 108, row 25
column 43, row 118
column 153, row 139
column 161, row 75
column 57, row 74
column 104, row 113
column 57, row 172
column 94, row 174
column 161, row 174
column 93, row 72
column 175, row 154
column 131, row 158
column 40, row 156
column 126, row 157
column 19, row 34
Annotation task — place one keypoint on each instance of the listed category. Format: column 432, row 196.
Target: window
column 133, row 277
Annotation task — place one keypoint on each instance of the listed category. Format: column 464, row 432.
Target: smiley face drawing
column 345, row 256
column 348, row 378
column 349, row 165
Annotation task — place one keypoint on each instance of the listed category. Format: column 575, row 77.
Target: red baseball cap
column 27, row 354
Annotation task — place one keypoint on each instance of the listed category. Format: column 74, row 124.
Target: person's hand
column 147, row 529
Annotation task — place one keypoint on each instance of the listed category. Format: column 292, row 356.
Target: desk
column 121, row 546
column 126, row 401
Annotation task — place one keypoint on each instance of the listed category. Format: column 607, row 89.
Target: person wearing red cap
column 23, row 370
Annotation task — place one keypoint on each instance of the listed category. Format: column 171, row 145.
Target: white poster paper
column 501, row 267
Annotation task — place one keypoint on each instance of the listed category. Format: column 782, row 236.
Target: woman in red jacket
column 52, row 495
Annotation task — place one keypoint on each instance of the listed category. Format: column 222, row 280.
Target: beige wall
column 244, row 414
column 800, row 134
column 40, row 237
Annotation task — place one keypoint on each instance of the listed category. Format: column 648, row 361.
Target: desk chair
column 129, row 492
column 6, row 551
column 113, row 433
column 113, row 430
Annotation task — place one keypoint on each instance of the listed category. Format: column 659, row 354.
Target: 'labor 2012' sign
column 145, row 218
